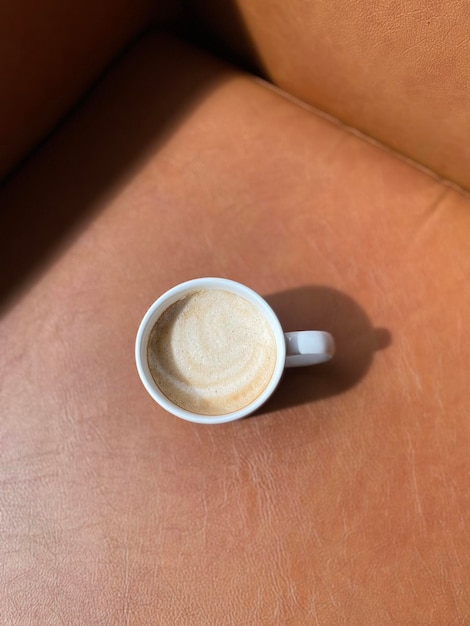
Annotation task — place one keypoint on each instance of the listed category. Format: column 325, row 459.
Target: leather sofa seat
column 346, row 498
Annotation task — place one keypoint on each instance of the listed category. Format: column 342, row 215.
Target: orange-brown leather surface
column 346, row 499
column 50, row 53
column 399, row 71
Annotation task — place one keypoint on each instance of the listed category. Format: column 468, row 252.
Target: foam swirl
column 212, row 352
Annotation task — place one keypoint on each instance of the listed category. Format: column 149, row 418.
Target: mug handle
column 308, row 347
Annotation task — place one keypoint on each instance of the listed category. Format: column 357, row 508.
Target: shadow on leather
column 95, row 152
column 357, row 341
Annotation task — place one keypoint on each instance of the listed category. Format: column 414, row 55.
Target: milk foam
column 212, row 352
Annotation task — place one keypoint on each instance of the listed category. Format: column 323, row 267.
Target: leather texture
column 398, row 71
column 346, row 499
column 51, row 52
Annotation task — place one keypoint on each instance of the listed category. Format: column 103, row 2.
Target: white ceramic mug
column 293, row 349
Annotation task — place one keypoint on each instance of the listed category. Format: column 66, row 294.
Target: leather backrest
column 50, row 53
column 398, row 71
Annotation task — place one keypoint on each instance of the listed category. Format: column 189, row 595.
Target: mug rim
column 171, row 296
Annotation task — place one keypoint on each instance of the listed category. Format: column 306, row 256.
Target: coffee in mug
column 211, row 350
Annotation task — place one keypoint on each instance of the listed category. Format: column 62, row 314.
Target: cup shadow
column 357, row 340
